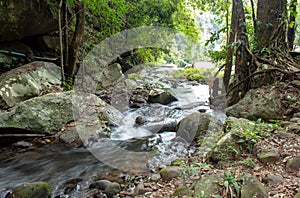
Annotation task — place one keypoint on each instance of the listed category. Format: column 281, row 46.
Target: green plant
column 189, row 171
column 154, row 85
column 194, row 74
column 231, row 184
column 254, row 132
column 68, row 84
column 248, row 162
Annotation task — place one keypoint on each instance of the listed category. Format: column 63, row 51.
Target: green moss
column 32, row 190
column 134, row 76
column 182, row 191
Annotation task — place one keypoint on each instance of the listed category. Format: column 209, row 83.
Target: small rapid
column 148, row 145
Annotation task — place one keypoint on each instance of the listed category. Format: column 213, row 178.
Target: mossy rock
column 208, row 185
column 170, row 172
column 293, row 165
column 225, row 149
column 32, row 190
column 251, row 187
column 112, row 189
column 182, row 191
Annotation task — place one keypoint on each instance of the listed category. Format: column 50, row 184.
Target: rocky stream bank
column 253, row 153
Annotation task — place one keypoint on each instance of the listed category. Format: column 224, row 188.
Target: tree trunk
column 230, row 46
column 292, row 24
column 243, row 61
column 77, row 38
column 61, row 43
column 65, row 26
column 271, row 16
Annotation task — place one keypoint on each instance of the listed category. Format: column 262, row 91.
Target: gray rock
column 251, row 187
column 50, row 42
column 208, row 185
column 157, row 127
column 69, row 136
column 255, row 105
column 182, row 191
column 140, row 189
column 296, row 120
column 296, row 115
column 293, row 128
column 28, row 81
column 50, row 112
column 225, row 149
column 201, row 128
column 268, row 155
column 155, row 177
column 32, row 190
column 38, row 20
column 47, row 113
column 161, row 97
column 293, row 165
column 273, row 180
column 112, row 189
column 22, row 144
column 197, row 125
column 138, row 97
column 100, row 184
column 111, row 74
column 170, row 172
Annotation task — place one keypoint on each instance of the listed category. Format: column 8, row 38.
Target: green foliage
column 194, row 74
column 68, row 84
column 254, row 132
column 110, row 14
column 248, row 162
column 218, row 56
column 154, row 85
column 193, row 167
column 232, row 184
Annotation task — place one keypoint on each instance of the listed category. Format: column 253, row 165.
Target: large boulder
column 197, row 125
column 257, row 103
column 202, row 128
column 32, row 190
column 47, row 113
column 50, row 112
column 28, row 81
column 161, row 97
column 19, row 19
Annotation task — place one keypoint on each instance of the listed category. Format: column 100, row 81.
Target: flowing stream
column 57, row 163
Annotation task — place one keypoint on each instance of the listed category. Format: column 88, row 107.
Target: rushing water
column 58, row 163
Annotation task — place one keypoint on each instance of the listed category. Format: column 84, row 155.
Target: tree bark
column 270, row 16
column 292, row 29
column 61, row 42
column 230, row 47
column 65, row 26
column 77, row 38
column 243, row 62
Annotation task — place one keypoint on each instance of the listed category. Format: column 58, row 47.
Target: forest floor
column 284, row 185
